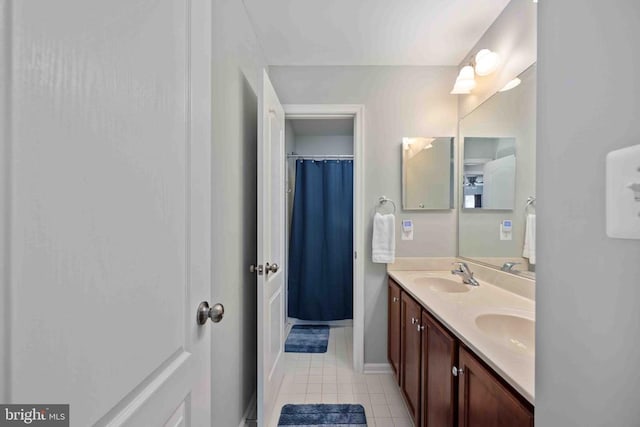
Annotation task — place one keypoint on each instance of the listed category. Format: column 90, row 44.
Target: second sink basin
column 515, row 332
column 440, row 284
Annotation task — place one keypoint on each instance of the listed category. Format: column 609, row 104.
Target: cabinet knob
column 396, row 299
column 414, row 320
column 420, row 328
column 457, row 372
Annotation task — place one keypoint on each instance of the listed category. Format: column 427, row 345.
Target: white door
column 271, row 232
column 106, row 209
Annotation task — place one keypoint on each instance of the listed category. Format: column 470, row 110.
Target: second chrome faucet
column 465, row 273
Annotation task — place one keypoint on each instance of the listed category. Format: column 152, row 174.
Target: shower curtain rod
column 320, row 156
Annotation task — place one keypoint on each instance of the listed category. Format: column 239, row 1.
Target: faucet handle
column 462, row 266
column 508, row 266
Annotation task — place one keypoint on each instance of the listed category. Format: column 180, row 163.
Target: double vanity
column 462, row 346
column 463, row 354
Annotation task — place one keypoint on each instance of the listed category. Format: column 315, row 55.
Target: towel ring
column 531, row 201
column 382, row 201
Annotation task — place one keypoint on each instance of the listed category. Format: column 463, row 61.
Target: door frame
column 341, row 111
column 5, row 194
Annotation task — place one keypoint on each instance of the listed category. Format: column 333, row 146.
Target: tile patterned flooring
column 329, row 378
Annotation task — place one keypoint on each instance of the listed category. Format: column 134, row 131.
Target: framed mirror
column 497, row 179
column 427, row 173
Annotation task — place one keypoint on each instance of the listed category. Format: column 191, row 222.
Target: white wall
column 588, row 285
column 324, row 144
column 236, row 60
column 399, row 101
column 513, row 37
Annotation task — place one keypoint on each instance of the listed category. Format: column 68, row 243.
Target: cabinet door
column 393, row 328
column 439, row 352
column 484, row 401
column 410, row 354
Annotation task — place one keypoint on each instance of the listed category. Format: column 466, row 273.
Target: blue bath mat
column 307, row 339
column 339, row 415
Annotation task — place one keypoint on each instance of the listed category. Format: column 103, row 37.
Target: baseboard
column 250, row 414
column 377, row 368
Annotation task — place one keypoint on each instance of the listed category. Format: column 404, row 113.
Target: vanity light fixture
column 465, row 82
column 513, row 83
column 486, row 62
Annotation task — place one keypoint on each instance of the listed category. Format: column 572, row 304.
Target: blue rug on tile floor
column 338, row 415
column 307, row 339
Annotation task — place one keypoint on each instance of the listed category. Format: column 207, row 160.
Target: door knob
column 256, row 269
column 271, row 268
column 215, row 313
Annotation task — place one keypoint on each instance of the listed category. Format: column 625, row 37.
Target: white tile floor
column 329, row 378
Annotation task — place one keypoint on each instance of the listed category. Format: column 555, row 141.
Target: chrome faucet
column 467, row 275
column 508, row 266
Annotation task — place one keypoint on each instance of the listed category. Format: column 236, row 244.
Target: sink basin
column 440, row 284
column 515, row 332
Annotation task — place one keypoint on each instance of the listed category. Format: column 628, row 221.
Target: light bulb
column 465, row 81
column 486, row 62
column 465, row 84
column 458, row 90
column 466, row 73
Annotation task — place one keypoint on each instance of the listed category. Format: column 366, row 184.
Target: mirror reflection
column 497, row 222
column 427, row 173
column 489, row 173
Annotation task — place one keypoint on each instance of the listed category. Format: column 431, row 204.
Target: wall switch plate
column 623, row 193
column 407, row 229
column 506, row 228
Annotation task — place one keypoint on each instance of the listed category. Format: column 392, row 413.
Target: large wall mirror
column 497, row 194
column 427, row 173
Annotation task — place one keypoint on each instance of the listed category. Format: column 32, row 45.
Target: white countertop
column 458, row 311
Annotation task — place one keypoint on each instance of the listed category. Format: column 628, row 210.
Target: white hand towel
column 529, row 250
column 383, row 245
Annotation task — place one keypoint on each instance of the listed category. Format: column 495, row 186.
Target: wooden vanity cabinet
column 423, row 353
column 410, row 355
column 393, row 328
column 483, row 400
column 439, row 354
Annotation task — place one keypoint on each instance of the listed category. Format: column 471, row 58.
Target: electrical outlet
column 623, row 193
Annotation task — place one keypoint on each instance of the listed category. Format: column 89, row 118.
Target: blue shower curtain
column 321, row 246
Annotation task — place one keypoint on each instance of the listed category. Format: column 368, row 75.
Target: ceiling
column 322, row 127
column 370, row 32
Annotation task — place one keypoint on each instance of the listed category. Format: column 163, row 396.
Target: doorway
column 333, row 133
column 319, row 183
